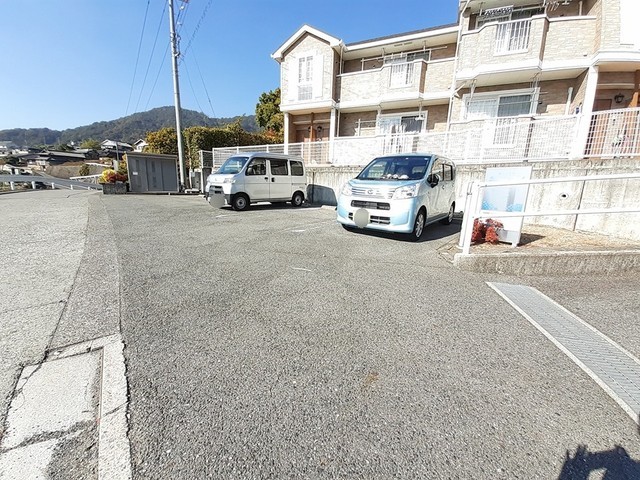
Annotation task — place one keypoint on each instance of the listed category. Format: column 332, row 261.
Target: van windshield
column 233, row 165
column 396, row 168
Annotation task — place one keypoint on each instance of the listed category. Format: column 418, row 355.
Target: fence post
column 469, row 219
column 33, row 184
column 53, row 186
column 71, row 187
column 12, row 185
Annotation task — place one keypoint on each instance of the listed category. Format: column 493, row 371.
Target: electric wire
column 155, row 41
column 195, row 31
column 186, row 69
column 181, row 16
column 206, row 91
column 135, row 68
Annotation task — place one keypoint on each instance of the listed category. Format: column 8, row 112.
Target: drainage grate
column 606, row 362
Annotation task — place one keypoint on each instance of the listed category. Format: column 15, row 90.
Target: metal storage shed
column 152, row 172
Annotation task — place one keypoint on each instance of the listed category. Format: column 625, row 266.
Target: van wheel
column 418, row 227
column 240, row 202
column 297, row 199
column 449, row 218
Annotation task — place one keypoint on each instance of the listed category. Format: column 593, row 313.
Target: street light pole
column 176, row 91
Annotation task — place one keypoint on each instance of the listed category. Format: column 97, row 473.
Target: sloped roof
column 332, row 41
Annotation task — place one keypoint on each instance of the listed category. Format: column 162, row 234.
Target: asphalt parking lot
column 273, row 343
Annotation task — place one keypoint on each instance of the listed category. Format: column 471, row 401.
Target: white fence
column 504, row 139
column 475, row 194
column 614, row 133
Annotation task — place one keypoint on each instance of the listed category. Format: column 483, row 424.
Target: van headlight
column 407, row 191
column 229, row 180
column 347, row 190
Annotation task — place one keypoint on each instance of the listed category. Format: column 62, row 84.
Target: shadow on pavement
column 615, row 464
column 435, row 231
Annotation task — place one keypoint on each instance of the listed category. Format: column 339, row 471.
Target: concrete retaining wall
column 325, row 183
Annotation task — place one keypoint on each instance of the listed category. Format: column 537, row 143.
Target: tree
column 164, row 140
column 91, row 144
column 268, row 114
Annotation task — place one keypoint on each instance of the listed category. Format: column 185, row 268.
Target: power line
column 181, row 15
column 164, row 57
column 213, row 113
column 155, row 41
column 191, row 85
column 135, row 69
column 204, row 14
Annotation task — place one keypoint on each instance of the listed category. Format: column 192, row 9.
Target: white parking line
column 311, row 226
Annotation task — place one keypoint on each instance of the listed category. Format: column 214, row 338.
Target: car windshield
column 396, row 168
column 233, row 165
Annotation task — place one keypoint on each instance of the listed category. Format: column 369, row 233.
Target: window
column 258, row 166
column 512, row 36
column 501, row 105
column 438, row 168
column 448, row 172
column 390, row 124
column 297, row 169
column 401, row 73
column 279, row 166
column 305, row 78
column 503, row 109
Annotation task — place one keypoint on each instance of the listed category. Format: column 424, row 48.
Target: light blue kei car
column 400, row 193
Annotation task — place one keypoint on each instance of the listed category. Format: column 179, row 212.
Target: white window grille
column 305, row 78
column 512, row 36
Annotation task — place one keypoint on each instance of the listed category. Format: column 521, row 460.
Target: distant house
column 53, row 157
column 7, row 147
column 113, row 149
column 139, row 145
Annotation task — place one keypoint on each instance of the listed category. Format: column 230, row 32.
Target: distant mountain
column 126, row 129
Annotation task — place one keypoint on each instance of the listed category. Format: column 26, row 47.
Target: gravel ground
column 274, row 344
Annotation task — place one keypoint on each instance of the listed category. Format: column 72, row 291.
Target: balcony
column 521, row 46
column 393, row 83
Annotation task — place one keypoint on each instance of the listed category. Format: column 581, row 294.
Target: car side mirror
column 433, row 179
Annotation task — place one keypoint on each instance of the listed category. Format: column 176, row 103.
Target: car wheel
column 418, row 227
column 297, row 199
column 449, row 218
column 240, row 202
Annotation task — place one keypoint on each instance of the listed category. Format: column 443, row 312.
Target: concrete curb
column 610, row 262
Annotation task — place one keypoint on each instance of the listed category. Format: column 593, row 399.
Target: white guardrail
column 475, row 195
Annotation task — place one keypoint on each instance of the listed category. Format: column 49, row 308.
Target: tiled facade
column 501, row 59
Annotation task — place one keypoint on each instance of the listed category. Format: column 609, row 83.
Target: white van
column 248, row 178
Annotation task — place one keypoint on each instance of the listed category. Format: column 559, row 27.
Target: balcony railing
column 614, row 133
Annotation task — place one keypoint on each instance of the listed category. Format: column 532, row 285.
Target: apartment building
column 504, row 60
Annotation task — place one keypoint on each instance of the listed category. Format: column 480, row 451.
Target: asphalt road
column 274, row 344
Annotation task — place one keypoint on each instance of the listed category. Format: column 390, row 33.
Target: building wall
column 581, row 31
column 308, row 44
column 610, row 29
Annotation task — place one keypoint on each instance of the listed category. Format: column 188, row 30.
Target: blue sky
column 68, row 63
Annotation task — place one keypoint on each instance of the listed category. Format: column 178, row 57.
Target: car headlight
column 407, row 191
column 230, row 180
column 347, row 190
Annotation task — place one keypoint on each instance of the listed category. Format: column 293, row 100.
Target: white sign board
column 510, row 198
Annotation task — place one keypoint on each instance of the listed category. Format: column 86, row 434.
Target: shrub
column 84, row 170
column 111, row 176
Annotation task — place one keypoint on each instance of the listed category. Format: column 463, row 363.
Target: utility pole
column 176, row 91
